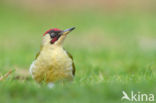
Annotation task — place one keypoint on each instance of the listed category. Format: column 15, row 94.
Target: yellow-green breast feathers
column 52, row 64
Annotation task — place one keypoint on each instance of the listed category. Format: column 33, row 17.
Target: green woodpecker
column 53, row 63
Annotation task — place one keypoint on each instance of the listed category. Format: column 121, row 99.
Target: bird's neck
column 49, row 46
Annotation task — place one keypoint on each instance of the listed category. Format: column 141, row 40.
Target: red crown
column 54, row 29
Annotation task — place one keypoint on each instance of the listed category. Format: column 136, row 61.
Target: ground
column 113, row 52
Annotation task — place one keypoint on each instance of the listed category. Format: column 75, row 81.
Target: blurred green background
column 113, row 45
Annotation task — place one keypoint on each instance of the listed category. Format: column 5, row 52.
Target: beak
column 63, row 35
column 65, row 32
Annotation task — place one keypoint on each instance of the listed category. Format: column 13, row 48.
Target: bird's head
column 55, row 36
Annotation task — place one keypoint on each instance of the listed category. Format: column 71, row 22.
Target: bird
column 53, row 63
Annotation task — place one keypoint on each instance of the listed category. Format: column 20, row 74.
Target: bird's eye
column 52, row 35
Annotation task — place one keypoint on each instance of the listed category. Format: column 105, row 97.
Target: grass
column 112, row 53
